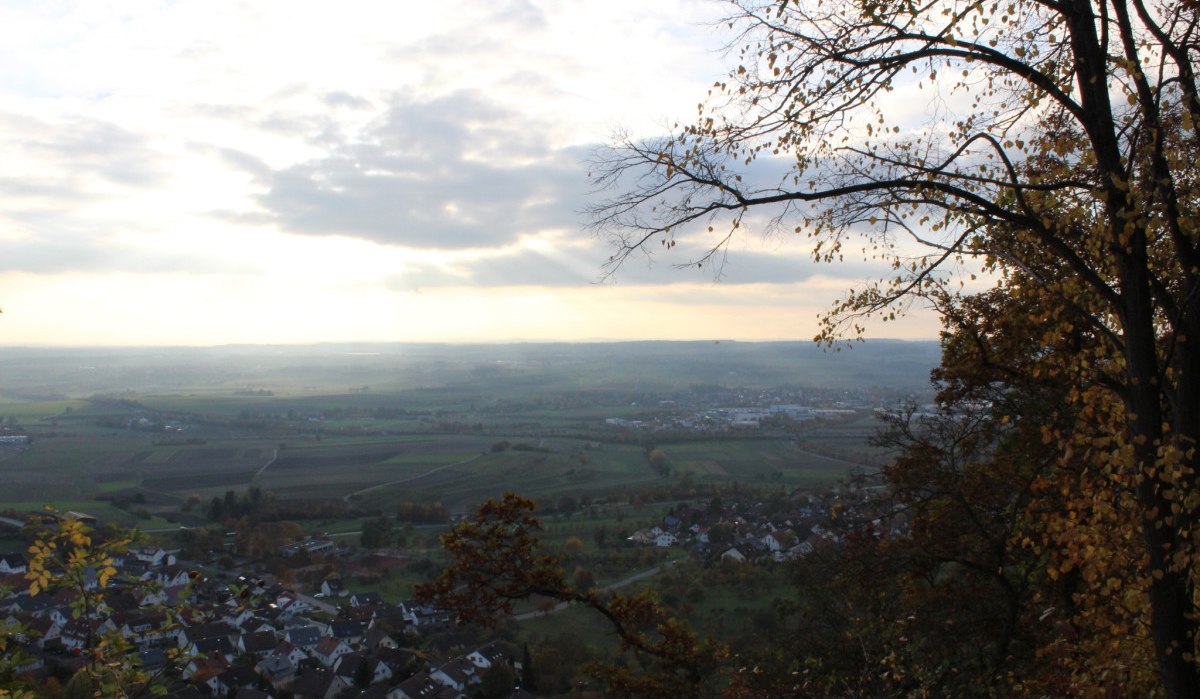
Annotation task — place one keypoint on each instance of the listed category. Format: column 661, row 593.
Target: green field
column 379, row 425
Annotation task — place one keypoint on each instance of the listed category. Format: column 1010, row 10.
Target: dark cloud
column 580, row 265
column 457, row 172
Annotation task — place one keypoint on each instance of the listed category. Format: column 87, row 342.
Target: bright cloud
column 203, row 172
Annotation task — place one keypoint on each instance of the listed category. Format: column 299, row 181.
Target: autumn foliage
column 1056, row 160
column 498, row 560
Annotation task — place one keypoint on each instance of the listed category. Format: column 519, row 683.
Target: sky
column 208, row 172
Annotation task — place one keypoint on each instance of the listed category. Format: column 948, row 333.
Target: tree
column 721, row 534
column 528, row 676
column 573, row 546
column 497, row 681
column 497, row 559
column 376, row 532
column 76, row 562
column 1058, row 156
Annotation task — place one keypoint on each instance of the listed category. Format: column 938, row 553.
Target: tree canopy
column 1049, row 145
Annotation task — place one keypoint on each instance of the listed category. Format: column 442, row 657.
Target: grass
column 103, row 511
column 775, row 460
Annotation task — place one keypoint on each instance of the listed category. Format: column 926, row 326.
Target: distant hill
column 48, row 373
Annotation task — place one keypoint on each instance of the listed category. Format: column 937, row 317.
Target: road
column 614, row 586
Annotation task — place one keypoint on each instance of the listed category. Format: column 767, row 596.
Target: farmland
column 376, row 427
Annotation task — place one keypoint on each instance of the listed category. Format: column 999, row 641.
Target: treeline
column 261, row 506
column 422, row 512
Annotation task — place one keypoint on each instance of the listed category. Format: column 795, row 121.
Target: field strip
column 409, row 479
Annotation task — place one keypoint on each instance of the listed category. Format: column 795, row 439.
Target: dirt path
column 614, row 586
column 259, row 472
column 409, row 479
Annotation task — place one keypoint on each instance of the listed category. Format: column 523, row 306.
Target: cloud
column 75, row 149
column 452, row 173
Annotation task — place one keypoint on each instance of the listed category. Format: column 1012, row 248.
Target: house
column 348, row 666
column 172, row 576
column 205, row 668
column 365, row 599
column 312, row 683
column 12, row 563
column 81, row 632
column 152, row 659
column 458, row 674
column 329, row 649
column 255, row 624
column 402, row 662
column 422, row 686
column 291, row 603
column 665, row 539
column 289, row 651
column 147, row 628
column 41, row 631
column 376, row 638
column 216, row 645
column 154, row 556
column 423, row 615
column 333, row 587
column 235, row 678
column 258, row 644
column 82, row 517
column 349, row 631
column 485, row 657
column 643, row 536
column 733, row 554
column 304, row 637
column 278, row 670
column 779, row 540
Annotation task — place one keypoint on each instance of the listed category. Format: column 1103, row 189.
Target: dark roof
column 152, row 658
column 348, row 664
column 274, row 665
column 260, row 641
column 365, row 598
column 312, row 682
column 239, row 676
column 218, row 644
column 212, row 629
column 304, row 636
column 346, row 629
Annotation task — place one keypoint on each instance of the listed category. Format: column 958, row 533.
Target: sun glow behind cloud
column 213, row 172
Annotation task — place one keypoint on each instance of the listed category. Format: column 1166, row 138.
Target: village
column 212, row 632
column 213, row 635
